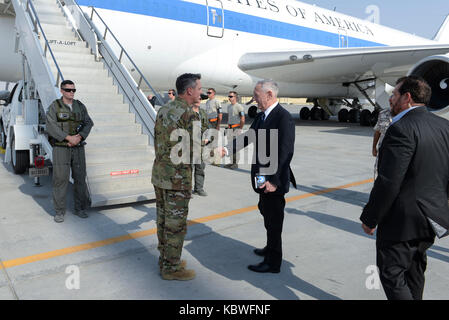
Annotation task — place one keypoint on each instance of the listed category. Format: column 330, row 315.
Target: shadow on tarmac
column 229, row 258
column 355, row 228
column 356, row 198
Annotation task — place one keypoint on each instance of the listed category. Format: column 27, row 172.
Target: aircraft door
column 215, row 18
column 343, row 41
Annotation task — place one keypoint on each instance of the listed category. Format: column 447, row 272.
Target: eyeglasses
column 209, row 92
column 69, row 90
column 231, row 97
column 171, row 93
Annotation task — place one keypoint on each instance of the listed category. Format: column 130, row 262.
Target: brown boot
column 182, row 275
column 182, row 264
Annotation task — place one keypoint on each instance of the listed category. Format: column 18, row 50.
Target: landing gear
column 318, row 112
column 343, row 115
column 315, row 113
column 252, row 112
column 304, row 114
column 354, row 116
column 366, row 118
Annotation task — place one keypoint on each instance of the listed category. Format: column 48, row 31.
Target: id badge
column 63, row 116
column 259, row 181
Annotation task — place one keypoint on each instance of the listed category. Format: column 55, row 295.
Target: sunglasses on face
column 231, row 97
column 171, row 93
column 209, row 92
column 69, row 90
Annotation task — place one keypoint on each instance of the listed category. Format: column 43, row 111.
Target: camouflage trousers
column 172, row 209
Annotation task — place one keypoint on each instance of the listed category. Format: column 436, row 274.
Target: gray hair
column 269, row 85
column 185, row 81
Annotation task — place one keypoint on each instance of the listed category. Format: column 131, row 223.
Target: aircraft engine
column 435, row 70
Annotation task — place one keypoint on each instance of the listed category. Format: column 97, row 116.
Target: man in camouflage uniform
column 199, row 164
column 236, row 121
column 213, row 108
column 68, row 125
column 172, row 179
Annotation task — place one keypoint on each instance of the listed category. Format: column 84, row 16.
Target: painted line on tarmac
column 145, row 233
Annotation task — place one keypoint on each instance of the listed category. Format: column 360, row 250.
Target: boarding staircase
column 119, row 151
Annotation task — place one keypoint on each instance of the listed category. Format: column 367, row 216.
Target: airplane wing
column 337, row 65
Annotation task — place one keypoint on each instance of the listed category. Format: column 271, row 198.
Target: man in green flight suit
column 68, row 125
column 172, row 178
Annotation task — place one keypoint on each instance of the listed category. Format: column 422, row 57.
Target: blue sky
column 422, row 18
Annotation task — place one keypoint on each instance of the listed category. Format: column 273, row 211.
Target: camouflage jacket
column 172, row 169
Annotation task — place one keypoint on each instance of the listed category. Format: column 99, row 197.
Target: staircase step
column 118, row 183
column 75, row 56
column 53, row 31
column 104, row 142
column 121, row 197
column 112, row 118
column 90, row 101
column 64, row 45
column 67, row 64
column 107, row 169
column 99, row 157
column 105, row 108
column 81, row 71
column 116, row 130
column 53, row 19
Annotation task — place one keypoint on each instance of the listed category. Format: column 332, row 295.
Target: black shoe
column 261, row 252
column 263, row 267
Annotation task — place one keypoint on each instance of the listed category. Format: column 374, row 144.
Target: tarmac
column 113, row 254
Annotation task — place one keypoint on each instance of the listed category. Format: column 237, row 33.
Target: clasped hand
column 74, row 140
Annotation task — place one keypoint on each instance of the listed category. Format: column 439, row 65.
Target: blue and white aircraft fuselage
column 309, row 51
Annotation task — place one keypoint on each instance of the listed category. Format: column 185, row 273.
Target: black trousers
column 271, row 207
column 402, row 266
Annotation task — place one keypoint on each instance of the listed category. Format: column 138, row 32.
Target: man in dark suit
column 274, row 130
column 408, row 203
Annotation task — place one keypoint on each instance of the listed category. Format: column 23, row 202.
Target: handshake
column 221, row 151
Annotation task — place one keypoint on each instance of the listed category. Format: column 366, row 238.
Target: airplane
column 309, row 51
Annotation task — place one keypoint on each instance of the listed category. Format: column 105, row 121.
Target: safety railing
column 113, row 60
column 29, row 8
column 94, row 13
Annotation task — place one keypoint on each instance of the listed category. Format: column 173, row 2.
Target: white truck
column 22, row 127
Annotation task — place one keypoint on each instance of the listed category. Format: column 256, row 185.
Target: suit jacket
column 281, row 120
column 412, row 184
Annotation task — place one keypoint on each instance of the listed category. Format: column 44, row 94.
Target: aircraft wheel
column 365, row 118
column 354, row 116
column 325, row 115
column 374, row 117
column 315, row 113
column 343, row 115
column 252, row 112
column 20, row 158
column 304, row 114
